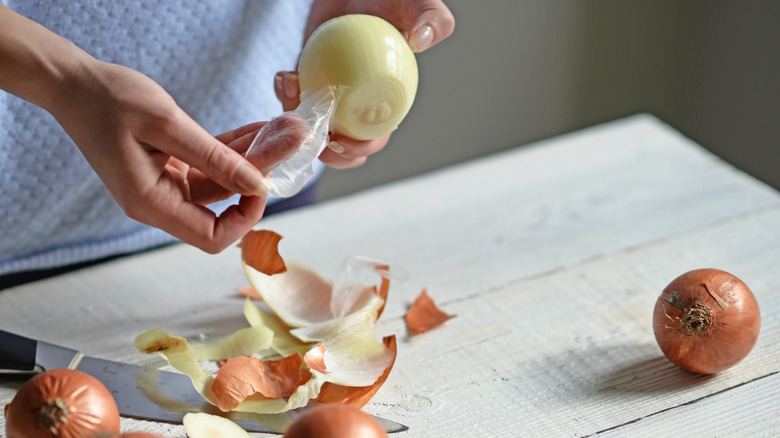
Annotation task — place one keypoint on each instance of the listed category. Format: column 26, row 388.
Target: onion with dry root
column 335, row 421
column 706, row 321
column 372, row 68
column 61, row 403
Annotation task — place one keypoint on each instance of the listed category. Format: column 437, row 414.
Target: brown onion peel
column 61, row 403
column 424, row 315
column 243, row 376
column 260, row 250
column 357, row 396
column 706, row 321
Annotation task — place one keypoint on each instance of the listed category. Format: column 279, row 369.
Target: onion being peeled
column 371, row 66
column 61, row 403
column 706, row 321
column 335, row 421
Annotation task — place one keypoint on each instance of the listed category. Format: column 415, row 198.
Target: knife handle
column 17, row 353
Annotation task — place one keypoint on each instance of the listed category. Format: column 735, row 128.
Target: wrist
column 35, row 63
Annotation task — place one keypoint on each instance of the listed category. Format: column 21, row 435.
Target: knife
column 140, row 392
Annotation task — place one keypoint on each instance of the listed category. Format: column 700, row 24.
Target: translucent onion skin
column 372, row 67
column 706, row 321
column 335, row 421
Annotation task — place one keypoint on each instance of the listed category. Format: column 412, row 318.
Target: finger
column 201, row 228
column 231, row 136
column 287, row 89
column 350, row 148
column 203, row 190
column 336, row 161
column 278, row 140
column 184, row 139
column 237, row 220
column 242, row 144
column 166, row 207
column 432, row 23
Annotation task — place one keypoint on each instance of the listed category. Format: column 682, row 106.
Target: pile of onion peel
column 424, row 315
column 317, row 338
column 706, row 321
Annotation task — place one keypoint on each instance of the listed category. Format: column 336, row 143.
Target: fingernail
column 251, row 180
column 422, row 38
column 336, row 147
column 278, row 81
column 291, row 84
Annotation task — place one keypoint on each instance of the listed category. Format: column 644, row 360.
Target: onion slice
column 424, row 315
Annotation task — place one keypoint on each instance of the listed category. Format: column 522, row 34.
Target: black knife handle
column 17, row 352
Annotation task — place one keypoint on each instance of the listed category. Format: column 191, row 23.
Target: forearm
column 35, row 62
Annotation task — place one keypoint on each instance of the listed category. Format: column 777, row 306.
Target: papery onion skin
column 61, row 403
column 335, row 421
column 371, row 66
column 128, row 435
column 356, row 396
column 140, row 435
column 706, row 321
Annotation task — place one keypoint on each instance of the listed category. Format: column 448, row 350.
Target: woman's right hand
column 159, row 164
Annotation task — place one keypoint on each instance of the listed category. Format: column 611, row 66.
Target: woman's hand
column 424, row 23
column 159, row 164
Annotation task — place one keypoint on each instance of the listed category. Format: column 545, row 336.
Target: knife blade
column 140, row 392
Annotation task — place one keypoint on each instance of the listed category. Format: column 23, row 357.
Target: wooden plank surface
column 551, row 255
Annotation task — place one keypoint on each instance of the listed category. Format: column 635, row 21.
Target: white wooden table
column 552, row 257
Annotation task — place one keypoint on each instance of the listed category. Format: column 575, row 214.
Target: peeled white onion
column 372, row 67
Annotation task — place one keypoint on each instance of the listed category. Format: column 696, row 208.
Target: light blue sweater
column 216, row 58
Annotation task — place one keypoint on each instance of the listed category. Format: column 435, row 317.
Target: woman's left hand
column 424, row 23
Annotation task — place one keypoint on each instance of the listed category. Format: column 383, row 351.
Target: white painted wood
column 552, row 256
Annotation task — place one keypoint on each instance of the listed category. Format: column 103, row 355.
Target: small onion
column 61, row 403
column 335, row 421
column 706, row 321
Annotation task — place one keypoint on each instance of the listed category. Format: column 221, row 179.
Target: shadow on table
column 653, row 375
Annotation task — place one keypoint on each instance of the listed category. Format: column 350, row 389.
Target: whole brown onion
column 706, row 321
column 61, row 403
column 335, row 421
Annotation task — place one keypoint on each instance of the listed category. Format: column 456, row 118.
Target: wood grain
column 550, row 255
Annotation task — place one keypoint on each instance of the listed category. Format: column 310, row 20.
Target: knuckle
column 220, row 159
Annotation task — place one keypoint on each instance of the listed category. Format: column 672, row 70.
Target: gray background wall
column 516, row 71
